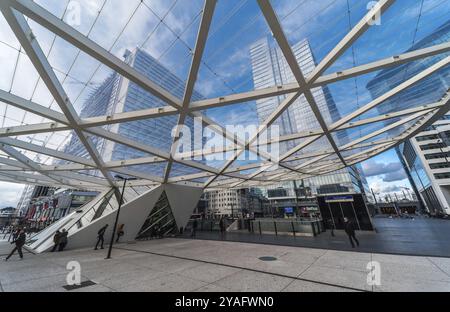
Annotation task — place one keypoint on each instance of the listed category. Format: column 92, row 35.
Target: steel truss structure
column 19, row 168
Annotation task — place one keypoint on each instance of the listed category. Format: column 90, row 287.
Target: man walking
column 100, row 237
column 350, row 230
column 19, row 241
column 63, row 240
column 120, row 232
column 56, row 239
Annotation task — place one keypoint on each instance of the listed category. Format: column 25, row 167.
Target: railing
column 287, row 227
column 276, row 227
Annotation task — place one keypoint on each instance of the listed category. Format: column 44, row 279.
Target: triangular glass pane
column 160, row 222
column 227, row 64
column 418, row 29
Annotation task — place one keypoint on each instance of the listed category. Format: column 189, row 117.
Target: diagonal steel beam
column 275, row 26
column 357, row 31
column 208, row 13
column 68, row 33
column 323, row 80
column 34, row 52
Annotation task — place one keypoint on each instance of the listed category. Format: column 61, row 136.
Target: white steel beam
column 203, row 31
column 357, row 31
column 286, row 49
column 34, row 52
column 68, row 33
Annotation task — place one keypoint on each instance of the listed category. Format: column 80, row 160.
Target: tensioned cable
column 158, row 24
column 70, row 68
column 354, row 65
column 419, row 16
column 226, row 84
column 304, row 24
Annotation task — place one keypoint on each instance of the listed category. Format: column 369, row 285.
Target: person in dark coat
column 331, row 226
column 56, row 239
column 101, row 237
column 19, row 241
column 350, row 230
column 222, row 227
column 120, row 232
column 194, row 228
column 63, row 240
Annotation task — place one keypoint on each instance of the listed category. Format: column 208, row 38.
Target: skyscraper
column 117, row 95
column 270, row 68
column 424, row 157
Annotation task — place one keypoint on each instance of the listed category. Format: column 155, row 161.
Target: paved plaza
column 417, row 237
column 211, row 266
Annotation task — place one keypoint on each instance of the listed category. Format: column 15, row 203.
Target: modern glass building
column 117, row 95
column 270, row 68
column 425, row 157
column 427, row 91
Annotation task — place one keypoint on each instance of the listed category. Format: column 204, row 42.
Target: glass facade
column 427, row 91
column 270, row 68
column 426, row 153
column 117, row 95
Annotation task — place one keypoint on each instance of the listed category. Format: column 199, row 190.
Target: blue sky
column 226, row 66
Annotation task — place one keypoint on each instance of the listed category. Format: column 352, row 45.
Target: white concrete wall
column 183, row 200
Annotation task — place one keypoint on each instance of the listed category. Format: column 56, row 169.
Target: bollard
column 276, row 230
column 293, row 228
column 260, row 232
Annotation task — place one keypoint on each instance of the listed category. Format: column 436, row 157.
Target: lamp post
column 125, row 180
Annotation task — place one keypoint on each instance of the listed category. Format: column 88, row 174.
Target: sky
column 226, row 65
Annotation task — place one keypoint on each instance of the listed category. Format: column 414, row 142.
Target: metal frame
column 16, row 167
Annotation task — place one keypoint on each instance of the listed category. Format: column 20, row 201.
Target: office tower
column 117, row 95
column 425, row 157
column 270, row 68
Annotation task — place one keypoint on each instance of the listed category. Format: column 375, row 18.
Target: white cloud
column 389, row 172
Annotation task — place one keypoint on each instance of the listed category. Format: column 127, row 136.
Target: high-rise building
column 117, row 95
column 426, row 156
column 270, row 68
column 235, row 202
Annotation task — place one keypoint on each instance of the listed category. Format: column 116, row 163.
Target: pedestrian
column 222, row 227
column 56, row 239
column 63, row 240
column 350, row 230
column 156, row 231
column 15, row 234
column 194, row 228
column 120, row 232
column 331, row 226
column 19, row 241
column 100, row 237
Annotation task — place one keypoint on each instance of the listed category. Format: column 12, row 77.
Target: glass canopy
column 214, row 94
